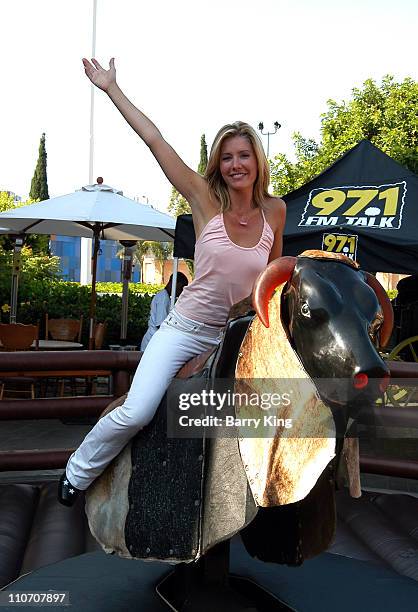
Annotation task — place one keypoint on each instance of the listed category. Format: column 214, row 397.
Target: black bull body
column 173, row 499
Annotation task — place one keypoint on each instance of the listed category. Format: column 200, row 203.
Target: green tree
column 203, row 156
column 7, row 202
column 178, row 204
column 385, row 113
column 39, row 184
column 39, row 192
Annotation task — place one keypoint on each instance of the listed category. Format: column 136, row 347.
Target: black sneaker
column 67, row 494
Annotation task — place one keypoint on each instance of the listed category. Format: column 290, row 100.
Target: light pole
column 86, row 243
column 277, row 126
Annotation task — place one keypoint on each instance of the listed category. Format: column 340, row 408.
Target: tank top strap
column 266, row 227
column 213, row 225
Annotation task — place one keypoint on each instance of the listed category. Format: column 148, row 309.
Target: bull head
column 333, row 318
column 280, row 271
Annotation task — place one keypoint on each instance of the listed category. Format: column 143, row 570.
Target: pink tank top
column 224, row 272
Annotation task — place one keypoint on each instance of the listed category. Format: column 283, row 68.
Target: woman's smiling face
column 238, row 163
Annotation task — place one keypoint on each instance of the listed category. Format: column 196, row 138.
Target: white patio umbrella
column 95, row 211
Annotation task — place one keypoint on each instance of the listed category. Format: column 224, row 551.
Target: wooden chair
column 63, row 329
column 89, row 383
column 18, row 337
column 99, row 335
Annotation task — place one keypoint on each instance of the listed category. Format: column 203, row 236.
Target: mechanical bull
column 174, row 499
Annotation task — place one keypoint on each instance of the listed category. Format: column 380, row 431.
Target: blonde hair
column 216, row 183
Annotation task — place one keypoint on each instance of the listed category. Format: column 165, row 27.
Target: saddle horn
column 384, row 301
column 277, row 272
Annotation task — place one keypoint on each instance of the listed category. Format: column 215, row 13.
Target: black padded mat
column 104, row 583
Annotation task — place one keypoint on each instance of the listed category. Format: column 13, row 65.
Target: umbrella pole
column 96, row 246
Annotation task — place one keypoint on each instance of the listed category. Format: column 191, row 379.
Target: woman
column 239, row 228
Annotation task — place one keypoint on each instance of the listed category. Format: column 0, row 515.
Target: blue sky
column 191, row 66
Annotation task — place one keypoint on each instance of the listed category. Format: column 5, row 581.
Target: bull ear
column 386, row 329
column 277, row 272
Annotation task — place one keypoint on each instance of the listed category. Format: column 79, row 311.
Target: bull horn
column 277, row 272
column 386, row 329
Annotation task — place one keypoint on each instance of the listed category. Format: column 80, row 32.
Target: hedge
column 61, row 299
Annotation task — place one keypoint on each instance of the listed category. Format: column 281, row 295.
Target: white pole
column 174, row 282
column 86, row 243
column 93, row 54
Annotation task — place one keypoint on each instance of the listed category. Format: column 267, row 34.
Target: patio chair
column 18, row 337
column 99, row 335
column 63, row 329
column 92, row 381
column 88, row 384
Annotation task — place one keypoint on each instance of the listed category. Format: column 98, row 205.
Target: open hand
column 99, row 76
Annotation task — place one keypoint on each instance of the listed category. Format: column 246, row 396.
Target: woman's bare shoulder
column 274, row 204
column 275, row 211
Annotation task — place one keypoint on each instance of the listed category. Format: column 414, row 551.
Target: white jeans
column 177, row 340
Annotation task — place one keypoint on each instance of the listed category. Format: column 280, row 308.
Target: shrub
column 138, row 288
column 61, row 299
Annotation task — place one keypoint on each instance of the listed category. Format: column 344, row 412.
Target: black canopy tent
column 184, row 237
column 364, row 205
column 184, row 243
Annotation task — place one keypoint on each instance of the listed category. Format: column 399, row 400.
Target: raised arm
column 189, row 183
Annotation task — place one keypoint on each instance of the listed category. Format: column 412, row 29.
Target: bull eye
column 305, row 310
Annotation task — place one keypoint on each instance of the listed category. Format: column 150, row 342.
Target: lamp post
column 17, row 252
column 277, row 126
column 86, row 243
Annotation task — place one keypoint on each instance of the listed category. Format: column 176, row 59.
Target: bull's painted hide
column 284, row 467
column 107, row 503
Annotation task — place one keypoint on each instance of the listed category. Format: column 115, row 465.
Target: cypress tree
column 203, row 155
column 39, row 184
column 39, row 191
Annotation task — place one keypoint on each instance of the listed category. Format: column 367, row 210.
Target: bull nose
column 361, row 380
column 378, row 375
